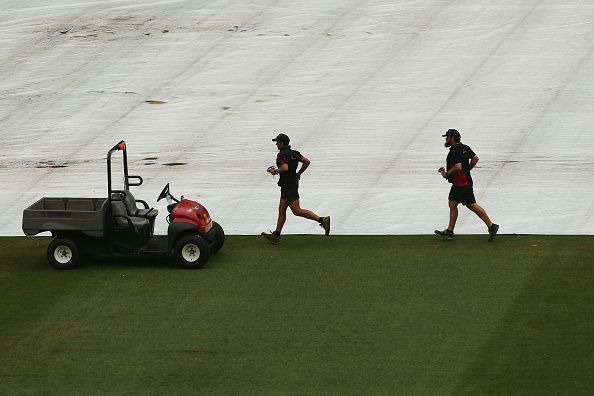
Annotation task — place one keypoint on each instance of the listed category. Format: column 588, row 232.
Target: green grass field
column 312, row 315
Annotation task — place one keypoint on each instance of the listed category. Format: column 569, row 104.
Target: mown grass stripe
column 343, row 314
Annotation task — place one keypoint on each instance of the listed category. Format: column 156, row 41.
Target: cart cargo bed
column 65, row 214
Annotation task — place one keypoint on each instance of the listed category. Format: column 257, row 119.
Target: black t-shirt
column 290, row 157
column 460, row 153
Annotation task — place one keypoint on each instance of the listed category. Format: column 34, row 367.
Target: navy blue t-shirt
column 290, row 157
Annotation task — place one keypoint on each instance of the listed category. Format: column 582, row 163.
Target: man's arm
column 452, row 171
column 304, row 164
column 283, row 169
column 473, row 161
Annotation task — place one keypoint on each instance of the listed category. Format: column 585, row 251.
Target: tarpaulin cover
column 365, row 89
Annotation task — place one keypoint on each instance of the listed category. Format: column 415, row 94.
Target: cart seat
column 121, row 217
column 133, row 209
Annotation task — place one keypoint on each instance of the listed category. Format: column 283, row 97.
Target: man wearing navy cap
column 287, row 162
column 461, row 159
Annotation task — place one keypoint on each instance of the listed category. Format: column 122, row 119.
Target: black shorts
column 290, row 193
column 464, row 195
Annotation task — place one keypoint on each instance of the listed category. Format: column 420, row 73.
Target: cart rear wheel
column 62, row 253
column 219, row 238
column 192, row 252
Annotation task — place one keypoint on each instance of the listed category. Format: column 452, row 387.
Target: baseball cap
column 452, row 132
column 281, row 137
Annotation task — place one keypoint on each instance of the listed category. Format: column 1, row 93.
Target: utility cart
column 122, row 224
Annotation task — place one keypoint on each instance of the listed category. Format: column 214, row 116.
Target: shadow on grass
column 126, row 261
column 545, row 343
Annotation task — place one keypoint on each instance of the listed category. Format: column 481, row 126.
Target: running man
column 287, row 162
column 461, row 159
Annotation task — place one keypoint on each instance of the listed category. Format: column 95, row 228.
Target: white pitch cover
column 364, row 89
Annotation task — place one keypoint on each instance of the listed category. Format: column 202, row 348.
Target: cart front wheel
column 192, row 252
column 62, row 253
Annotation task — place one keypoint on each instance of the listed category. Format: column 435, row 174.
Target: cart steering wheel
column 164, row 193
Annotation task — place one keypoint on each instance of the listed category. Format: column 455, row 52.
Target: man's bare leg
column 274, row 237
column 448, row 233
column 282, row 215
column 480, row 212
column 453, row 214
column 298, row 211
column 308, row 214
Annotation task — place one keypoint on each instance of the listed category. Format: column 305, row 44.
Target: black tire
column 192, row 252
column 219, row 239
column 63, row 254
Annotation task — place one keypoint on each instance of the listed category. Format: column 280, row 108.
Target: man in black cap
column 461, row 159
column 287, row 161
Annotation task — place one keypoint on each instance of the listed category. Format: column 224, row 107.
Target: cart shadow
column 117, row 261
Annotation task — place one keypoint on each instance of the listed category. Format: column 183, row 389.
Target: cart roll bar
column 121, row 146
